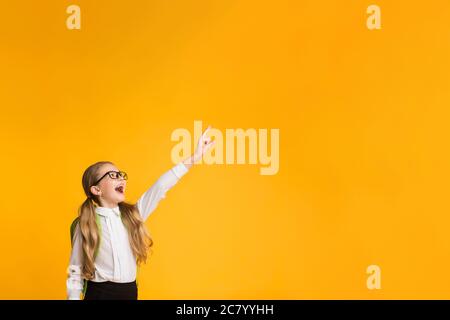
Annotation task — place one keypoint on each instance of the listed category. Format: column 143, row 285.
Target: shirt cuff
column 180, row 170
column 74, row 295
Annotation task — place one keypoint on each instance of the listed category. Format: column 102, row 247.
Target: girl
column 110, row 238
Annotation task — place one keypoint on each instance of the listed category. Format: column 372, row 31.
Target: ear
column 95, row 190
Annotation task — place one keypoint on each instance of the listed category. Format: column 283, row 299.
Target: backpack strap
column 73, row 226
column 72, row 229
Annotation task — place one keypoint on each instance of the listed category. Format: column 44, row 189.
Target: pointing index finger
column 207, row 129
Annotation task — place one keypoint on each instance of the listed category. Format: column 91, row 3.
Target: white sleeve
column 74, row 281
column 148, row 202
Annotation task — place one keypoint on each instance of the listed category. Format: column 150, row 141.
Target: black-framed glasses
column 113, row 175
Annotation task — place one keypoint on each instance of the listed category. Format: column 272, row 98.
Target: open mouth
column 119, row 189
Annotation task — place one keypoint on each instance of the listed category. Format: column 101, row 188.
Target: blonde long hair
column 140, row 240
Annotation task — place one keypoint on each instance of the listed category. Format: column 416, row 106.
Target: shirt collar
column 106, row 212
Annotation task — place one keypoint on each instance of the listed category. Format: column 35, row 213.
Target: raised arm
column 148, row 202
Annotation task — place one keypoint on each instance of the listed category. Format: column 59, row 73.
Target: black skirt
column 111, row 291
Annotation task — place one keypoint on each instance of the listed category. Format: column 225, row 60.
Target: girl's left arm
column 148, row 202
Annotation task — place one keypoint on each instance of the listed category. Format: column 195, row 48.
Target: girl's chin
column 120, row 198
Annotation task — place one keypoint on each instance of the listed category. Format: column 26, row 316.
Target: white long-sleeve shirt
column 115, row 260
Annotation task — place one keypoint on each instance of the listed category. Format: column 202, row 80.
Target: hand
column 204, row 144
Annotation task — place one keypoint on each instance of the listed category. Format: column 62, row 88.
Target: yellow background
column 364, row 143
